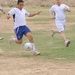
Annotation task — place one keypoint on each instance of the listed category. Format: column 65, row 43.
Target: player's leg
column 28, row 34
column 67, row 42
column 61, row 28
column 18, row 41
column 62, row 33
column 30, row 37
column 19, row 35
column 1, row 38
column 13, row 39
column 53, row 32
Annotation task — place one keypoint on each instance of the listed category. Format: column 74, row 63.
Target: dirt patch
column 24, row 66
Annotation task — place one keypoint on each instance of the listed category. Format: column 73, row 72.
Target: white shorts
column 61, row 25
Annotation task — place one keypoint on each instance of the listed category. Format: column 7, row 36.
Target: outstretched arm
column 52, row 15
column 8, row 16
column 32, row 15
column 11, row 13
column 69, row 10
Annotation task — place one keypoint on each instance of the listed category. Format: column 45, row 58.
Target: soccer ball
column 28, row 46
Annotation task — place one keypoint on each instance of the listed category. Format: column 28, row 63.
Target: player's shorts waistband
column 20, row 26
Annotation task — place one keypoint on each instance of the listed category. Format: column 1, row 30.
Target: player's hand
column 8, row 17
column 66, row 9
column 52, row 17
column 38, row 12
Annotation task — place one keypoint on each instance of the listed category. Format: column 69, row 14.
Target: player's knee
column 19, row 42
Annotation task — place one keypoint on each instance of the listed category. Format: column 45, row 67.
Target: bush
column 42, row 5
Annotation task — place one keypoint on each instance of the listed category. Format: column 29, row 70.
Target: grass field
column 53, row 50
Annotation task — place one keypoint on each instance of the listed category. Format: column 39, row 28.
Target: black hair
column 19, row 1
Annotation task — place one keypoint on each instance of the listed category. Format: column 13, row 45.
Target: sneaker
column 36, row 53
column 12, row 39
column 1, row 38
column 52, row 32
column 67, row 43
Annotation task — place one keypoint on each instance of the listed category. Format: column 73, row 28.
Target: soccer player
column 58, row 12
column 19, row 15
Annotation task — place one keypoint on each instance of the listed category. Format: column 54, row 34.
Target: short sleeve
column 27, row 13
column 51, row 9
column 0, row 8
column 11, row 12
column 67, row 7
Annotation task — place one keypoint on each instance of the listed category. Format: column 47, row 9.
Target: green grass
column 50, row 48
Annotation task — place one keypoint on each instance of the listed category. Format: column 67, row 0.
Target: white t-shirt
column 19, row 16
column 60, row 14
column 0, row 8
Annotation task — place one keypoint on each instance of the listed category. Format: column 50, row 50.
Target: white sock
column 66, row 41
column 13, row 39
column 34, row 49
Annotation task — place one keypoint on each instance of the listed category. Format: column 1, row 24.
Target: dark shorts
column 20, row 31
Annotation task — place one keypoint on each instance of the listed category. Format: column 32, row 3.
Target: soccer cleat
column 67, row 43
column 12, row 39
column 36, row 53
column 1, row 38
column 52, row 32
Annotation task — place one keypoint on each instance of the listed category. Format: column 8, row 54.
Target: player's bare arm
column 32, row 15
column 69, row 10
column 8, row 16
column 52, row 15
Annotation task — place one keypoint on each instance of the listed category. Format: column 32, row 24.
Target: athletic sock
column 34, row 49
column 14, row 39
